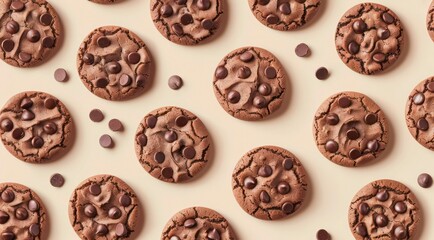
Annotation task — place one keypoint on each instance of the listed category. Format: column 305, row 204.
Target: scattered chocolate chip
column 259, row 102
column 234, row 96
column 264, row 197
column 353, row 48
column 371, row 118
column 373, row 145
column 244, row 72
column 359, row 26
column 151, row 121
column 388, row 18
column 101, row 82
column 361, row 230
column 159, row 157
column 352, row 134
column 302, row 50
column 332, row 119
column 285, row 8
column 288, row 208
column 26, row 103
column 4, row 217
column 17, row 6
column 430, row 86
column 283, row 188
column 48, row 42
column 177, row 29
column 263, row 2
column 96, row 115
column 106, row 141
column 400, row 232
column 140, row 80
column 265, row 171
column 133, row 58
column 203, row 4
column 166, row 10
column 383, row 33
column 116, row 125
column 213, row 234
column 264, row 89
column 322, row 73
column 246, row 56
column 27, row 115
column 175, row 82
column 322, row 235
column 186, row 19
column 57, row 180
column 7, row 235
column 288, row 164
column 379, row 57
column 18, row 133
column 207, row 24
column 113, row 67
column 422, row 124
column 354, row 153
column 381, row 220
column 344, row 102
column 61, row 75
column 24, row 57
column 90, row 211
column 272, row 19
column 424, row 180
column 88, row 58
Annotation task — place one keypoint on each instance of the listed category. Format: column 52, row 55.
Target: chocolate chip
column 57, row 180
column 373, row 145
column 382, row 195
column 12, row 27
column 166, row 10
column 270, row 72
column 300, row 1
column 181, row 121
column 263, row 2
column 95, row 189
column 4, row 217
column 7, row 125
column 285, row 8
column 418, row 98
column 387, row 18
column 422, row 124
column 288, row 164
column 101, row 230
column 88, row 58
column 186, row 19
column 96, row 115
column 116, row 125
column 48, row 42
column 234, row 96
column 159, row 157
column 26, row 103
column 288, row 208
column 331, row 146
column 322, row 235
column 177, row 29
column 272, row 19
column 332, row 119
column 17, row 6
column 18, row 133
column 354, row 153
column 106, row 141
column 430, row 86
column 114, row 213
column 33, row 35
column 359, row 26
column 142, row 140
column 203, row 4
column 353, row 48
column 424, row 180
column 381, row 220
column 33, row 205
column 151, row 121
column 46, row 19
column 213, row 235
column 60, row 75
column 140, row 80
column 90, row 211
column 250, row 182
column 361, row 230
column 125, row 80
column 170, row 136
column 364, row 209
column 34, row 229
column 190, row 223
column 207, row 24
column 344, row 102
column 379, row 57
column 383, row 33
column 113, row 67
column 50, row 103
column 246, row 56
column 265, row 171
column 175, row 82
column 8, row 196
column 21, row 213
column 400, row 207
column 371, row 118
column 400, row 232
column 27, row 115
column 259, row 102
column 167, row 172
column 264, row 197
column 189, row 152
column 8, row 45
column 221, row 72
column 37, row 142
column 125, row 200
column 322, row 73
column 283, row 188
column 264, row 89
column 353, row 134
column 121, row 230
column 101, row 82
column 24, row 57
column 103, row 42
column 181, row 2
column 302, row 50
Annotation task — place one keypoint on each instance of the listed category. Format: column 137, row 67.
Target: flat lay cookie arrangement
column 216, row 119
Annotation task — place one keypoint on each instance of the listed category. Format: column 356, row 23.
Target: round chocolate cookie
column 384, row 209
column 172, row 144
column 198, row 223
column 187, row 22
column 430, row 21
column 22, row 214
column 34, row 126
column 29, row 31
column 419, row 113
column 103, row 207
column 284, row 15
column 350, row 129
column 250, row 83
column 369, row 38
column 269, row 183
column 114, row 63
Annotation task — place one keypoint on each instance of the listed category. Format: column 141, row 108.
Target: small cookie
column 350, row 129
column 284, row 15
column 114, row 63
column 172, row 144
column 187, row 22
column 198, row 223
column 269, row 183
column 22, row 214
column 250, row 83
column 369, row 38
column 105, row 1
column 103, row 207
column 430, row 21
column 29, row 31
column 384, row 209
column 34, row 126
column 419, row 113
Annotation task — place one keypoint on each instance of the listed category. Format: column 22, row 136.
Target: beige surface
column 332, row 186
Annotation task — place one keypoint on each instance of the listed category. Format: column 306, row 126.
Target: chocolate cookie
column 187, row 22
column 384, row 209
column 114, row 63
column 369, row 38
column 29, row 31
column 430, row 21
column 197, row 223
column 419, row 113
column 34, row 126
column 172, row 144
column 284, row 15
column 103, row 207
column 22, row 214
column 269, row 183
column 250, row 83
column 350, row 129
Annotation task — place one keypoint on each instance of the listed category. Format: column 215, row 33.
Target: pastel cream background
column 332, row 186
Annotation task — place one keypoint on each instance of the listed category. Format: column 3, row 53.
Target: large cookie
column 369, row 38
column 384, row 209
column 103, row 207
column 187, row 22
column 22, row 214
column 197, row 223
column 269, row 183
column 284, row 15
column 430, row 21
column 29, row 31
column 114, row 63
column 250, row 83
column 419, row 113
column 34, row 126
column 350, row 129
column 172, row 144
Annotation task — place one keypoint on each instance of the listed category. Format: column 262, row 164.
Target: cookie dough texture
column 30, row 31
column 35, row 126
column 350, row 129
column 198, row 223
column 384, row 209
column 269, row 183
column 114, row 63
column 430, row 21
column 369, row 38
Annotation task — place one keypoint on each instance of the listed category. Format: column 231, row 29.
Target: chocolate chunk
column 37, row 142
column 177, row 29
column 186, row 19
column 96, row 115
column 114, row 213
column 21, row 213
column 189, row 223
column 288, row 164
column 354, row 153
column 302, row 50
column 181, row 121
column 101, row 82
column 8, row 196
column 382, row 195
column 352, row 134
column 371, row 118
column 353, row 48
column 250, row 182
column 264, row 89
column 6, row 235
column 33, row 35
column 381, row 220
column 125, row 80
column 12, row 27
column 101, row 230
column 125, row 200
column 400, row 207
column 57, row 180
column 203, row 4
column 27, row 115
column 207, row 24
column 379, row 57
column 424, row 180
column 344, row 102
column 50, row 103
column 48, row 42
column 331, row 146
column 170, row 136
column 142, row 140
column 26, row 103
column 383, row 33
column 106, row 141
column 46, row 19
column 264, row 197
column 95, row 189
column 17, row 5
column 90, row 211
column 103, row 42
column 166, row 10
column 33, row 205
column 189, row 152
column 175, row 82
column 359, row 26
column 24, row 57
column 259, row 102
column 18, row 133
column 60, row 75
column 151, row 121
column 159, row 157
column 244, row 72
column 270, row 72
column 213, row 234
column 285, row 8
column 234, row 96
column 323, row 235
column 113, row 67
column 4, row 217
column 418, row 98
column 400, row 232
column 388, row 18
column 246, row 56
column 283, row 188
column 221, row 72
column 288, row 208
column 322, row 73
column 121, row 230
column 332, row 119
column 88, row 58
column 167, row 172
column 364, row 209
column 373, row 145
column 361, row 230
column 7, row 125
column 8, row 45
column 265, row 171
column 133, row 58
column 422, row 124
column 272, row 19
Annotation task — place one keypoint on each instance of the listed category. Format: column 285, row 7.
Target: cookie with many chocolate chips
column 350, row 129
column 22, row 214
column 284, row 15
column 369, row 38
column 103, row 207
column 430, row 21
column 198, row 223
column 114, row 63
column 384, row 209
column 172, row 144
column 35, row 126
column 250, row 83
column 269, row 183
column 419, row 113
column 187, row 22
column 29, row 31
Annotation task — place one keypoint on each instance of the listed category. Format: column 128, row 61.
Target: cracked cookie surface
column 419, row 117
column 350, row 129
column 369, row 38
column 430, row 21
column 384, row 209
column 198, row 223
column 250, row 83
column 114, row 63
column 35, row 126
column 284, row 15
column 103, row 207
column 29, row 31
column 269, row 183
column 187, row 22
column 172, row 144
